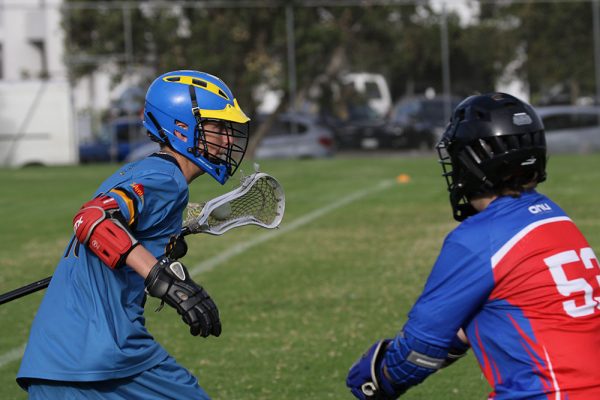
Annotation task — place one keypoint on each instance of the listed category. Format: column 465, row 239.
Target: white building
column 36, row 112
column 31, row 40
column 33, row 62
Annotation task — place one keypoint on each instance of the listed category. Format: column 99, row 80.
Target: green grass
column 298, row 309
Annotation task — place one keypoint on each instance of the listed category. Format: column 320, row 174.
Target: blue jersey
column 523, row 283
column 90, row 325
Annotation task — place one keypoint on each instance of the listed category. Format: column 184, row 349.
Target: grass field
column 298, row 308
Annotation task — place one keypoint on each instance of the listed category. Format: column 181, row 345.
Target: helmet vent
column 199, row 82
column 526, row 140
column 513, row 142
column 173, row 79
column 487, row 148
column 481, row 114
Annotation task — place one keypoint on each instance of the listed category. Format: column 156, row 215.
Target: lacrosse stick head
column 259, row 200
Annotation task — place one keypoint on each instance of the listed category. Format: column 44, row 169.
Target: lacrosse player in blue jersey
column 88, row 339
column 516, row 277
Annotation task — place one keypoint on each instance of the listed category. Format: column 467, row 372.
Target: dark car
column 418, row 123
column 118, row 138
column 361, row 128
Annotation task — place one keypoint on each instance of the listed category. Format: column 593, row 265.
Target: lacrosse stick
column 259, row 200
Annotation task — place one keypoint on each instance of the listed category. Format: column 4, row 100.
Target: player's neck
column 190, row 170
column 481, row 203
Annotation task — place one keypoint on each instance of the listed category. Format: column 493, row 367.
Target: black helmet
column 493, row 141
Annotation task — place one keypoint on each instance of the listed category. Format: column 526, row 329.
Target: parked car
column 418, row 122
column 571, row 129
column 295, row 135
column 292, row 135
column 114, row 143
column 361, row 129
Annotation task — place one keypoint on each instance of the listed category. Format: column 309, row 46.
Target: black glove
column 170, row 281
column 177, row 247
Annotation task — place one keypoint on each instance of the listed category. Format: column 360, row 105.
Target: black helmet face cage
column 461, row 206
column 221, row 142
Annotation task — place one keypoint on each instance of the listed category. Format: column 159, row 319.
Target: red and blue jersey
column 524, row 284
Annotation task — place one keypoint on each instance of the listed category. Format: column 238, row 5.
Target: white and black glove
column 170, row 281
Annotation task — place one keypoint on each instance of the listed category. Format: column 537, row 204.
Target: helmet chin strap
column 159, row 128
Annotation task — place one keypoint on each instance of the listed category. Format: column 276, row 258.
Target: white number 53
column 568, row 287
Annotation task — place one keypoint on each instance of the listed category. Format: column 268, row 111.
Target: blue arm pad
column 408, row 361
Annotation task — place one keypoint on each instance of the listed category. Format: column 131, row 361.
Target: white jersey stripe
column 499, row 255
column 554, row 381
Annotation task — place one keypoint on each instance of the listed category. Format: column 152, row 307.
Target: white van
column 374, row 87
column 36, row 125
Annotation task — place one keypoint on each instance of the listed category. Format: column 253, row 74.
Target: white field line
column 12, row 355
column 303, row 220
column 17, row 353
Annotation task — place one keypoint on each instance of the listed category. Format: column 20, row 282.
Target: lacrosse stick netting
column 259, row 200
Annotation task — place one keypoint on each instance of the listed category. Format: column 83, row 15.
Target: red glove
column 100, row 226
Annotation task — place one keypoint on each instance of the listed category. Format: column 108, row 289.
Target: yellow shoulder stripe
column 128, row 202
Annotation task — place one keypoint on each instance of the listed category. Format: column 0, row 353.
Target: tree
column 558, row 43
column 247, row 46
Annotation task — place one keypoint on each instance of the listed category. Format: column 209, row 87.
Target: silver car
column 571, row 129
column 296, row 135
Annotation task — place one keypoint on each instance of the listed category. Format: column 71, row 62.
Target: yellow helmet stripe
column 197, row 82
column 229, row 113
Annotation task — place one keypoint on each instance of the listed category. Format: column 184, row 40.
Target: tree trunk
column 334, row 67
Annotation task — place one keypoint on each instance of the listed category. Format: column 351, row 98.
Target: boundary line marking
column 12, row 355
column 293, row 225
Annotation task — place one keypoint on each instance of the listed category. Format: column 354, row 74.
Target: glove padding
column 170, row 281
column 365, row 378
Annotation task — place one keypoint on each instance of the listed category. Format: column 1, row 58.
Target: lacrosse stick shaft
column 25, row 290
column 43, row 283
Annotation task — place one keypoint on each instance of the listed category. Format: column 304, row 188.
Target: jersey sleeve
column 458, row 285
column 150, row 200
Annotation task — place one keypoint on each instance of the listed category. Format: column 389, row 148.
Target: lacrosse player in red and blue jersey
column 88, row 339
column 516, row 276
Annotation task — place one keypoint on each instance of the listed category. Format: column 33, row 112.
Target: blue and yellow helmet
column 178, row 107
